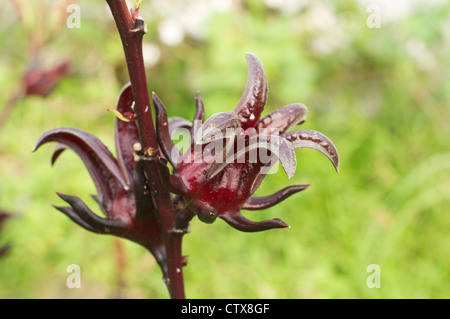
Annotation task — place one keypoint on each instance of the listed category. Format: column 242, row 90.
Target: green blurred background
column 381, row 94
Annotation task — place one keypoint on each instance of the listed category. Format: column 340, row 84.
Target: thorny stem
column 131, row 33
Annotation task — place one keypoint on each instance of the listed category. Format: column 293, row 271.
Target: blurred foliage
column 381, row 94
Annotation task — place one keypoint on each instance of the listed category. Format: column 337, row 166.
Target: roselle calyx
column 219, row 181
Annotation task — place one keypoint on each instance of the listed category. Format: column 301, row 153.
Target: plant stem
column 131, row 34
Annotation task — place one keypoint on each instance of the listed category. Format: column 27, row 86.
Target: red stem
column 131, row 33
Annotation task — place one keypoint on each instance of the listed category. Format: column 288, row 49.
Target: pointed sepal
column 283, row 119
column 258, row 203
column 253, row 100
column 239, row 222
column 82, row 215
column 162, row 132
column 126, row 134
column 314, row 140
